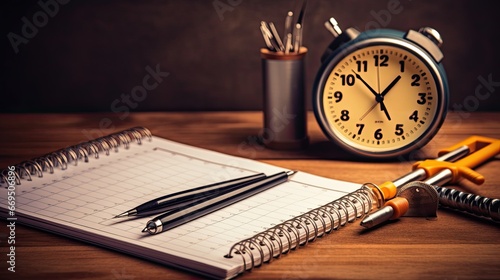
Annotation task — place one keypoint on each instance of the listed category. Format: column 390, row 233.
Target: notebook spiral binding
column 73, row 154
column 291, row 234
column 470, row 203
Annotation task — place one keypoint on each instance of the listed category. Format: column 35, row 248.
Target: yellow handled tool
column 481, row 149
column 438, row 172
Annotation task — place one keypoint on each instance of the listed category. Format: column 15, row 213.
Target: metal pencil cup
column 285, row 122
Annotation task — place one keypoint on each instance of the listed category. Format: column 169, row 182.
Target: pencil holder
column 285, row 123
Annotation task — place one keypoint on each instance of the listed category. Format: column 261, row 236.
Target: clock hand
column 380, row 97
column 365, row 83
column 392, row 84
column 367, row 112
column 383, row 108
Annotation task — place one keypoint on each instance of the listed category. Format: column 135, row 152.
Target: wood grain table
column 454, row 246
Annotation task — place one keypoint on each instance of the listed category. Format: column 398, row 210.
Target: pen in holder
column 285, row 123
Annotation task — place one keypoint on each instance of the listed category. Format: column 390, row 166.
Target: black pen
column 186, row 197
column 195, row 210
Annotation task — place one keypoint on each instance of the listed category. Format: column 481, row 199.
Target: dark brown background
column 91, row 52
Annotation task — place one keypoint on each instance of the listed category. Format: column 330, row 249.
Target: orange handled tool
column 438, row 172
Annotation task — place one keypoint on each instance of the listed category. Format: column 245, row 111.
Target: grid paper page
column 82, row 200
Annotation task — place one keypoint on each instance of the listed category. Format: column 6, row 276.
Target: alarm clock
column 381, row 93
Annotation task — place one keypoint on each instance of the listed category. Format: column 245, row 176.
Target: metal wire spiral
column 291, row 234
column 73, row 154
column 471, row 203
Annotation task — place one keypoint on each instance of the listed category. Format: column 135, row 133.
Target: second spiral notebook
column 77, row 191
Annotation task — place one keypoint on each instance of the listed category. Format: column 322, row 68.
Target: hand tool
column 439, row 172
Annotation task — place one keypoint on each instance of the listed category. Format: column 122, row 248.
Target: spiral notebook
column 78, row 190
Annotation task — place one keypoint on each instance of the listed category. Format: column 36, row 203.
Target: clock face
column 381, row 99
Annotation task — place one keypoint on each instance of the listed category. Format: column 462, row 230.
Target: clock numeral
column 348, row 79
column 399, row 130
column 414, row 116
column 362, row 65
column 423, row 98
column 416, row 79
column 378, row 134
column 381, row 60
column 402, row 66
column 338, row 96
column 361, row 126
column 344, row 115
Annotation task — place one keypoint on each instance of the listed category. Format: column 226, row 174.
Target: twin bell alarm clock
column 381, row 93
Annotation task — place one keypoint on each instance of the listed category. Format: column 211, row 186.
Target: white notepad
column 81, row 201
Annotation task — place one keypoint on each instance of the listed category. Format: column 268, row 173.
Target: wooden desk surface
column 455, row 246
